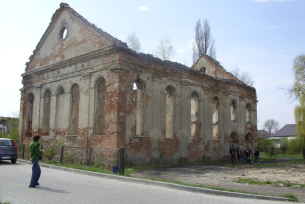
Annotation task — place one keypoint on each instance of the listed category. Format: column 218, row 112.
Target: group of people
column 241, row 155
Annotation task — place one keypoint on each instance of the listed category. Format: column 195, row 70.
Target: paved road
column 58, row 186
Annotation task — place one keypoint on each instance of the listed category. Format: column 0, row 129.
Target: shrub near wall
column 265, row 144
column 295, row 146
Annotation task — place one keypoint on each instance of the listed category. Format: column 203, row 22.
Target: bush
column 3, row 135
column 265, row 144
column 52, row 151
column 295, row 146
column 283, row 145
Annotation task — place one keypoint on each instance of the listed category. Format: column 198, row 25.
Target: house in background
column 289, row 131
column 263, row 134
column 3, row 128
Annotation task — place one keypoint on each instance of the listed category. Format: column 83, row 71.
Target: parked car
column 8, row 150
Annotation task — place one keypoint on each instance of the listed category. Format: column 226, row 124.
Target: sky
column 259, row 37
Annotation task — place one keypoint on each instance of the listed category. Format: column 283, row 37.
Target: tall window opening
column 99, row 107
column 169, row 111
column 30, row 103
column 248, row 113
column 234, row 139
column 139, row 114
column 59, row 108
column 248, row 140
column 233, row 110
column 46, row 112
column 216, row 118
column 74, row 111
column 194, row 115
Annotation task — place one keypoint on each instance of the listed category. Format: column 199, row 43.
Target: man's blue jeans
column 35, row 173
column 256, row 159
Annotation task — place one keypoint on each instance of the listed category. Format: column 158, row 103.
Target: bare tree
column 15, row 114
column 271, row 126
column 165, row 49
column 204, row 42
column 133, row 41
column 212, row 50
column 243, row 76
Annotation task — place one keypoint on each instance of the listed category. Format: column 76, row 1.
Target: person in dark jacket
column 248, row 155
column 233, row 154
column 237, row 154
column 35, row 154
column 242, row 155
column 256, row 154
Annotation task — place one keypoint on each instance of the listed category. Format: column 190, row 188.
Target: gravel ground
column 226, row 176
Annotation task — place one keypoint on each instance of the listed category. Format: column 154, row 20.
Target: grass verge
column 291, row 197
column 276, row 184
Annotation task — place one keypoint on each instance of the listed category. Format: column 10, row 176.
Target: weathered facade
column 85, row 88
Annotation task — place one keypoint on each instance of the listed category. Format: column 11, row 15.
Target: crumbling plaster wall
column 120, row 70
column 84, row 56
column 153, row 146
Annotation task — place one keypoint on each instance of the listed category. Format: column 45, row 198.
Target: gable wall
column 80, row 39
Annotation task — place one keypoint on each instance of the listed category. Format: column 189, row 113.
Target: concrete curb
column 163, row 184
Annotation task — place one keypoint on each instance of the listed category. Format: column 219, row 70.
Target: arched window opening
column 234, row 139
column 30, row 103
column 216, row 119
column 248, row 140
column 203, row 70
column 233, row 111
column 169, row 111
column 59, row 108
column 74, row 111
column 194, row 115
column 99, row 107
column 139, row 113
column 248, row 113
column 46, row 112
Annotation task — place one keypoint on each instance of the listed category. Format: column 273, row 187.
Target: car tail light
column 15, row 145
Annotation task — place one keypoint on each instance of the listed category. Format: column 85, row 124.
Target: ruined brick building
column 86, row 88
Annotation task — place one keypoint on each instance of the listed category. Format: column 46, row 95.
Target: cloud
column 143, row 8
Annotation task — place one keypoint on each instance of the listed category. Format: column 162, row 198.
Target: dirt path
column 225, row 176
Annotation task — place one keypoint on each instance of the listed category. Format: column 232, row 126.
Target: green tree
column 298, row 92
column 12, row 128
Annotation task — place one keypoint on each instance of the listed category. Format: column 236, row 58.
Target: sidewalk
column 60, row 185
column 164, row 184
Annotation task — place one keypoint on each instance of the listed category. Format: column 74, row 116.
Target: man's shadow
column 52, row 190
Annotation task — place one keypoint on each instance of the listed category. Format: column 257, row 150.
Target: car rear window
column 6, row 143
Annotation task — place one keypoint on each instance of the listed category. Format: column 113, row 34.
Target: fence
column 93, row 157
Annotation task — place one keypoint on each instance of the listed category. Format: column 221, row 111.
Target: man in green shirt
column 35, row 153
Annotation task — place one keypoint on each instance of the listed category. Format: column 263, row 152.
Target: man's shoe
column 32, row 186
